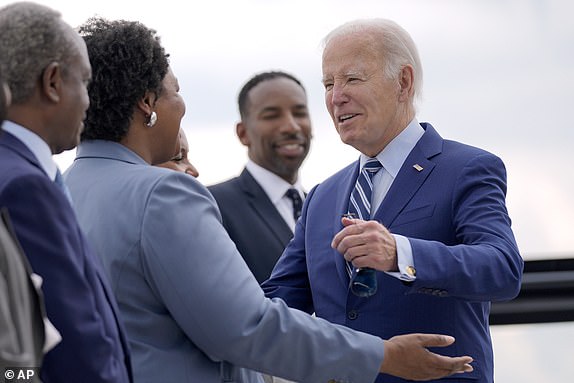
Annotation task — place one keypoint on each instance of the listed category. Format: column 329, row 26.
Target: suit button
column 352, row 315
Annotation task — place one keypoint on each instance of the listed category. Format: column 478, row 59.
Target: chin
column 345, row 139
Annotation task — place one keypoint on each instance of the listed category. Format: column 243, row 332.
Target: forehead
column 277, row 91
column 351, row 53
column 169, row 79
column 78, row 58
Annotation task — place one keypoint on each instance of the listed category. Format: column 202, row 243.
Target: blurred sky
column 498, row 74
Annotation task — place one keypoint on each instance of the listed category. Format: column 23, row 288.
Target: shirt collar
column 396, row 152
column 36, row 144
column 274, row 186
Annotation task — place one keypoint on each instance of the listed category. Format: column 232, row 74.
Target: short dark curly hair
column 242, row 99
column 127, row 60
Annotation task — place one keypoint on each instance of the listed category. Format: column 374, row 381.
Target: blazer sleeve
column 484, row 263
column 47, row 229
column 195, row 268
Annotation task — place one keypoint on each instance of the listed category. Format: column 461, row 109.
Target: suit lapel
column 413, row 173
column 348, row 178
column 264, row 208
column 14, row 144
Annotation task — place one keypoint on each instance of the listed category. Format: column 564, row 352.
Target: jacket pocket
column 414, row 214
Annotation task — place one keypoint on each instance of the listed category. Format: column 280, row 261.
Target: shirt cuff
column 407, row 271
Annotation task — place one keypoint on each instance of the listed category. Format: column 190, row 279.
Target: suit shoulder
column 225, row 189
column 335, row 179
column 162, row 178
column 23, row 175
column 461, row 150
column 457, row 146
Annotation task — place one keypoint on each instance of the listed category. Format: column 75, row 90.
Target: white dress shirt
column 275, row 187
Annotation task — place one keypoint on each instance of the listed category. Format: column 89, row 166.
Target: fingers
column 350, row 221
column 435, row 340
column 346, row 232
column 354, row 232
column 406, row 356
column 452, row 365
column 366, row 244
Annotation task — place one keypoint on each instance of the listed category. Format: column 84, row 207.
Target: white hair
column 397, row 46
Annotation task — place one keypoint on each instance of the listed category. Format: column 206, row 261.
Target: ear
column 147, row 102
column 51, row 82
column 242, row 133
column 406, row 83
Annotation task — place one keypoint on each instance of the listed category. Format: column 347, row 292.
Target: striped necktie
column 363, row 281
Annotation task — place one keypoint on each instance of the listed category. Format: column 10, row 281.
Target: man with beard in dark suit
column 261, row 206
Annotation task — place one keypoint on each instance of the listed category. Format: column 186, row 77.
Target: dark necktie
column 364, row 280
column 294, row 196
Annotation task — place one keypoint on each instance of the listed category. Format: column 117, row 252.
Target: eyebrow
column 277, row 108
column 353, row 73
column 270, row 109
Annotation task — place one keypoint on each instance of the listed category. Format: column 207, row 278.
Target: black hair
column 127, row 60
column 257, row 79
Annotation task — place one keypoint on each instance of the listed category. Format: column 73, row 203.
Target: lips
column 290, row 149
column 346, row 117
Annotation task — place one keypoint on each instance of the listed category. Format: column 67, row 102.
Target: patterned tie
column 294, row 196
column 364, row 281
column 59, row 180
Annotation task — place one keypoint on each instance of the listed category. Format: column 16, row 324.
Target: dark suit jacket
column 253, row 223
column 453, row 213
column 78, row 300
column 22, row 305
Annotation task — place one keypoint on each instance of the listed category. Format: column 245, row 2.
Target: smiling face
column 367, row 107
column 277, row 128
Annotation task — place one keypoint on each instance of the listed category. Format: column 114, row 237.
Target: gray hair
column 31, row 37
column 397, row 46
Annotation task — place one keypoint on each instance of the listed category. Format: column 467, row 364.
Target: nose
column 338, row 95
column 290, row 124
column 190, row 169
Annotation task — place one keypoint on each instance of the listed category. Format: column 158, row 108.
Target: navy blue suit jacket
column 454, row 215
column 252, row 222
column 78, row 300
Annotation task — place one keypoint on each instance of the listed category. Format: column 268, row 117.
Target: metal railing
column 546, row 295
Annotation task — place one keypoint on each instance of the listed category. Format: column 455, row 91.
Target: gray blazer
column 192, row 309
